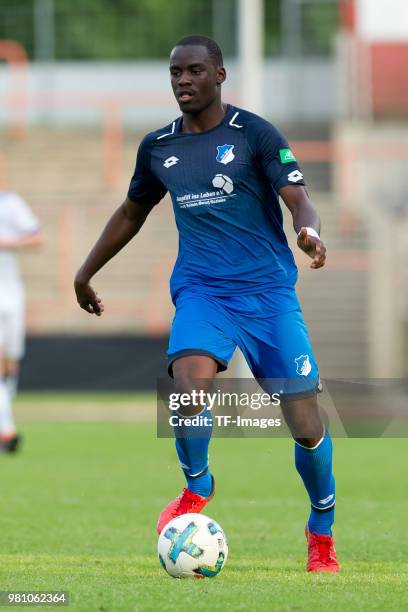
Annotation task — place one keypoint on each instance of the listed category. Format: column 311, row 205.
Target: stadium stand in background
column 68, row 139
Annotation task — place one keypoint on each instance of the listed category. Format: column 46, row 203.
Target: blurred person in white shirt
column 19, row 229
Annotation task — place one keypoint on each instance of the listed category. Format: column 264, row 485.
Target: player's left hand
column 313, row 247
column 88, row 298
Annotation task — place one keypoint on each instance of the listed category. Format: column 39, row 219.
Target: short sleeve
column 145, row 187
column 23, row 219
column 274, row 155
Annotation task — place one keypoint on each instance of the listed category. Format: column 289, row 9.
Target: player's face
column 195, row 79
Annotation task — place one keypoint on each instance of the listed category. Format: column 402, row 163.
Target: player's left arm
column 305, row 216
column 274, row 156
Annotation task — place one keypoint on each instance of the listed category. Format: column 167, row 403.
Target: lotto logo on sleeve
column 295, row 176
column 286, row 156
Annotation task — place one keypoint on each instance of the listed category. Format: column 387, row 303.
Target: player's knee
column 193, row 373
column 193, row 377
column 303, row 419
column 186, row 383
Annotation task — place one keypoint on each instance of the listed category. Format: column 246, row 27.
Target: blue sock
column 315, row 467
column 192, row 443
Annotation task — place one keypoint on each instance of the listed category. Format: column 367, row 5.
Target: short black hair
column 212, row 47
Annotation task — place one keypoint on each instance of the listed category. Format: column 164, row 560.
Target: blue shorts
column 268, row 328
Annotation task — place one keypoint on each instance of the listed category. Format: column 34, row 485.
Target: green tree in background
column 146, row 29
column 16, row 23
column 126, row 29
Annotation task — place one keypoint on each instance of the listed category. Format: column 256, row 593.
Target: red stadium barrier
column 2, row 172
column 112, row 142
column 16, row 56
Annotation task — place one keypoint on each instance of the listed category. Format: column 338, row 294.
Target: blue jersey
column 224, row 185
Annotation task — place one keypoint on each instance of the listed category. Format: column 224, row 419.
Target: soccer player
column 233, row 281
column 19, row 229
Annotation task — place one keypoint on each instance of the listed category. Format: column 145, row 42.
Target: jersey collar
column 227, row 117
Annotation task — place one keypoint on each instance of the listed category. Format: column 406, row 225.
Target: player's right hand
column 88, row 299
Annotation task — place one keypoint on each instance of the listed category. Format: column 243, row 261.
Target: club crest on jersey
column 225, row 154
column 303, row 365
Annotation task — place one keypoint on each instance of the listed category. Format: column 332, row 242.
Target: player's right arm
column 145, row 191
column 123, row 225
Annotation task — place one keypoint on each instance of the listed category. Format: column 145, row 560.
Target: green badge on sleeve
column 286, row 156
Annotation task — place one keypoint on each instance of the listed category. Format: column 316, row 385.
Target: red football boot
column 183, row 504
column 10, row 443
column 321, row 553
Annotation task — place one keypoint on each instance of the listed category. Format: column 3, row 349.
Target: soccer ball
column 192, row 546
column 221, row 181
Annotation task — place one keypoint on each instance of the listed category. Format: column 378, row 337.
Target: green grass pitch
column 78, row 508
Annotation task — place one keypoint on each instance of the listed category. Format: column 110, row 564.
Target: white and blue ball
column 192, row 546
